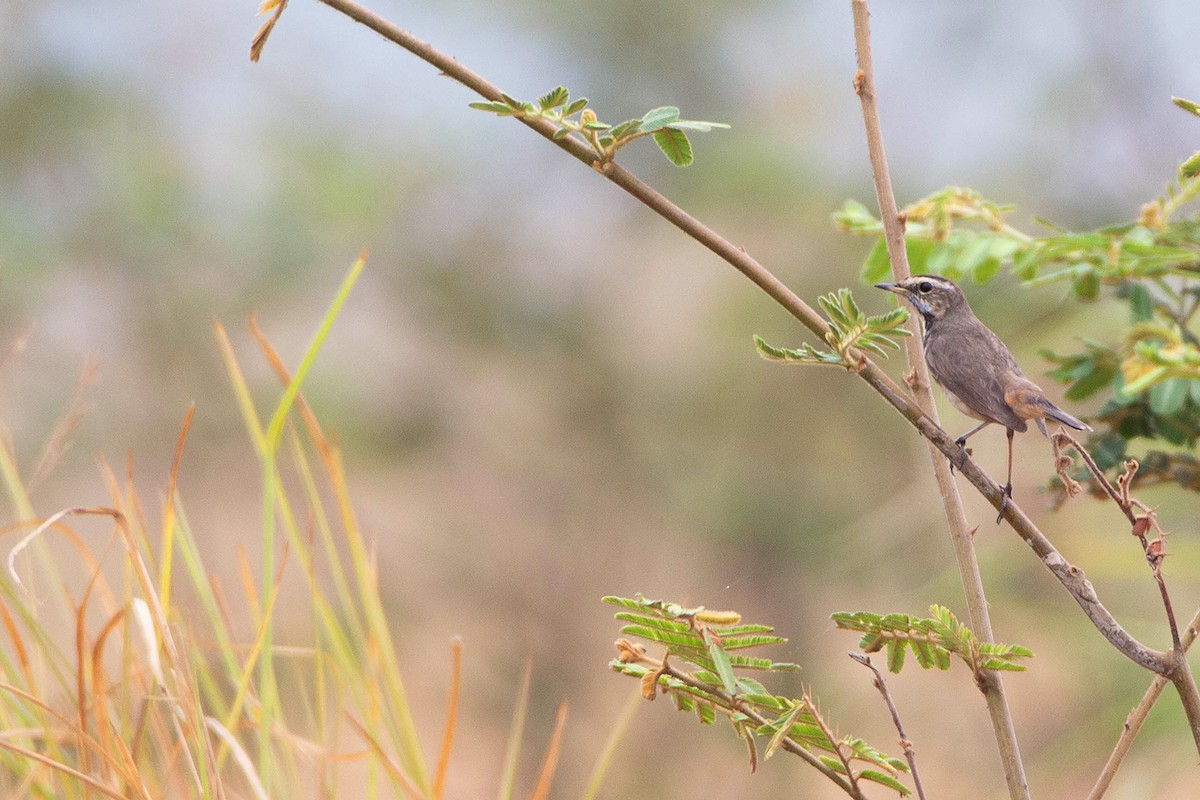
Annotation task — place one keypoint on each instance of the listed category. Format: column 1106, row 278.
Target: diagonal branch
column 961, row 535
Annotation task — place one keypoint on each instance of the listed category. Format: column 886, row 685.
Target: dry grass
column 134, row 683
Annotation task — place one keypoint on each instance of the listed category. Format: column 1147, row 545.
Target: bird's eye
column 925, row 287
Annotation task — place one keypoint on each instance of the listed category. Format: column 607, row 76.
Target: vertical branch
column 956, row 518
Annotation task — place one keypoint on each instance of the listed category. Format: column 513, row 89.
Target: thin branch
column 1071, row 577
column 956, row 518
column 881, row 685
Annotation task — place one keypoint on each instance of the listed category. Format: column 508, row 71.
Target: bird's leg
column 1006, row 489
column 962, row 443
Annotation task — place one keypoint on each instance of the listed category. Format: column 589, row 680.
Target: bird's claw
column 962, row 455
column 1005, row 493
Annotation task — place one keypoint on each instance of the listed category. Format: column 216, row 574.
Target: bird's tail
column 1056, row 414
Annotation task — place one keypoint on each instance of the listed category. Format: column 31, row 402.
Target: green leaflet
column 932, row 640
column 850, row 330
column 704, row 679
column 573, row 117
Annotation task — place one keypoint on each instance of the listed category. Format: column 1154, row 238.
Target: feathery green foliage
column 932, row 641
column 710, row 683
column 1191, row 167
column 662, row 124
column 849, row 330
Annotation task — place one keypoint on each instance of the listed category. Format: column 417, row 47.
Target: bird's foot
column 1005, row 493
column 963, row 453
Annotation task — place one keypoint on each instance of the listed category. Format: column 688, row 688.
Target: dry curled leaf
column 650, row 684
column 264, row 30
column 628, row 652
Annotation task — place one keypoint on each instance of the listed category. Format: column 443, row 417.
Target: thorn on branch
column 1141, row 526
column 1155, row 553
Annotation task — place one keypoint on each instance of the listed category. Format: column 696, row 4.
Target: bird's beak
column 917, row 303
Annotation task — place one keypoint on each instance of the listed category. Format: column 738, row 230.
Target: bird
column 974, row 367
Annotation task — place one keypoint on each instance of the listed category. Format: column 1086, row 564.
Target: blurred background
column 546, row 394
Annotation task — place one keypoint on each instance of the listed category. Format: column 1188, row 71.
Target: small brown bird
column 977, row 372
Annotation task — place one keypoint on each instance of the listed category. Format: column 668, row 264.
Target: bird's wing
column 974, row 375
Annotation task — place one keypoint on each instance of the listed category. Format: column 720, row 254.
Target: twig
column 1071, row 577
column 952, row 506
column 881, row 685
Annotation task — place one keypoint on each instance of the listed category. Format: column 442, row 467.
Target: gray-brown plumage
column 977, row 372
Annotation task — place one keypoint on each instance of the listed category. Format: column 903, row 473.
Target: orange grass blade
column 285, row 377
column 14, row 636
column 104, row 731
column 393, row 769
column 443, row 760
column 550, row 762
column 241, row 391
column 168, row 532
column 248, row 589
column 86, row 780
column 60, row 435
